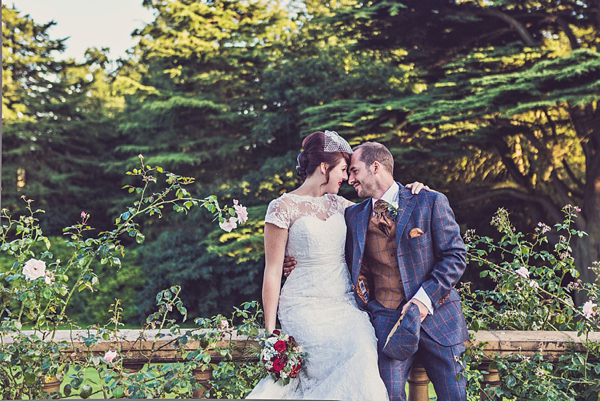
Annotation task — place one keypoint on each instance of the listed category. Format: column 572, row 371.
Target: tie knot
column 381, row 206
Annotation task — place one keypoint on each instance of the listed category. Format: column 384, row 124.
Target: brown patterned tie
column 382, row 217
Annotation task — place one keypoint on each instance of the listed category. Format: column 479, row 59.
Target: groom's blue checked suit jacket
column 435, row 260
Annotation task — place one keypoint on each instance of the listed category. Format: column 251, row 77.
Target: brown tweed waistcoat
column 380, row 267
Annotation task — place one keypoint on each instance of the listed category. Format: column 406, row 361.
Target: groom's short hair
column 371, row 152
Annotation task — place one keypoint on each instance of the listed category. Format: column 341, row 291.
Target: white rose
column 34, row 269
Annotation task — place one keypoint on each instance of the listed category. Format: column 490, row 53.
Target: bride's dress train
column 317, row 307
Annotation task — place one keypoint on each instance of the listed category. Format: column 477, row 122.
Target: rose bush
column 534, row 288
column 36, row 289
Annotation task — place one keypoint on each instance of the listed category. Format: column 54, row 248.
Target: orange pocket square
column 416, row 232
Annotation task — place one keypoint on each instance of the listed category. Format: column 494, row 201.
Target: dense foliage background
column 494, row 103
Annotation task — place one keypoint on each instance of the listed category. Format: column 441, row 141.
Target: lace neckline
column 324, row 196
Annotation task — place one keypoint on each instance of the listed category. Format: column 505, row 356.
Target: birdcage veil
column 335, row 143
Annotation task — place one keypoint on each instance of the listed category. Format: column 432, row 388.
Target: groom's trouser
column 441, row 363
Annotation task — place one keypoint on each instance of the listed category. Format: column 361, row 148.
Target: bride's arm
column 275, row 241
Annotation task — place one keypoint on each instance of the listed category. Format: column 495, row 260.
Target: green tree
column 58, row 120
column 503, row 102
column 193, row 90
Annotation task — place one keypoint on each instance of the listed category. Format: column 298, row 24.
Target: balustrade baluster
column 418, row 383
column 202, row 375
column 491, row 378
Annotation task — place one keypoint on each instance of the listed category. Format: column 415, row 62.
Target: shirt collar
column 391, row 195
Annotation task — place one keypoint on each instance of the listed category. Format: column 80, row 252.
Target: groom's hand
column 422, row 308
column 289, row 264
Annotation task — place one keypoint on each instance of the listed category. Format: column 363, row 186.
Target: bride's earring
column 323, row 168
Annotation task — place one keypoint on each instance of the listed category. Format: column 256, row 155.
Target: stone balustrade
column 138, row 350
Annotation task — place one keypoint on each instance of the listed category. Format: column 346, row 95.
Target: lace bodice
column 288, row 208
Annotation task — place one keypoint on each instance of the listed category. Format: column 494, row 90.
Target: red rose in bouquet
column 278, row 364
column 281, row 356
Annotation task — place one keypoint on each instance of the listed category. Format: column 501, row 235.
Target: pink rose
column 110, row 356
column 523, row 272
column 34, row 269
column 228, row 224
column 242, row 213
column 49, row 278
column 588, row 309
column 224, row 325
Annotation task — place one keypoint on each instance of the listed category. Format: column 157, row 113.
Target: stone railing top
column 551, row 344
column 127, row 335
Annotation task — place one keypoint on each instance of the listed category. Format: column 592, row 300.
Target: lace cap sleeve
column 278, row 214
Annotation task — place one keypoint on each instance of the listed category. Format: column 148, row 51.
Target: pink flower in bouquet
column 110, row 356
column 278, row 364
column 280, row 346
column 295, row 370
column 588, row 309
column 34, row 269
column 228, row 224
column 242, row 213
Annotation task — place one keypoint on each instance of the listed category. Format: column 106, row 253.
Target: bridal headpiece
column 335, row 143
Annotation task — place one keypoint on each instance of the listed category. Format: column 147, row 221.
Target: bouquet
column 281, row 356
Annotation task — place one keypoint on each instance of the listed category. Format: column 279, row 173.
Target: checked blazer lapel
column 360, row 223
column 406, row 204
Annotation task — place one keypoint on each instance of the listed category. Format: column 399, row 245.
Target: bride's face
column 337, row 176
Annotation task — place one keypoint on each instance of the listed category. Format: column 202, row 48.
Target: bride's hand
column 416, row 187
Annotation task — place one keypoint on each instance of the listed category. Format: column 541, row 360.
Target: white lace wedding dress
column 317, row 307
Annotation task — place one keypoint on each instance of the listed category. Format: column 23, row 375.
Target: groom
column 405, row 255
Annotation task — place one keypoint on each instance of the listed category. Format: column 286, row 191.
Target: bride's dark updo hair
column 313, row 155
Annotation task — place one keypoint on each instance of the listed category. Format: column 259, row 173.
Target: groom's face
column 361, row 177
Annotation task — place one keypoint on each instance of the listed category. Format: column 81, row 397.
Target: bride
column 316, row 304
